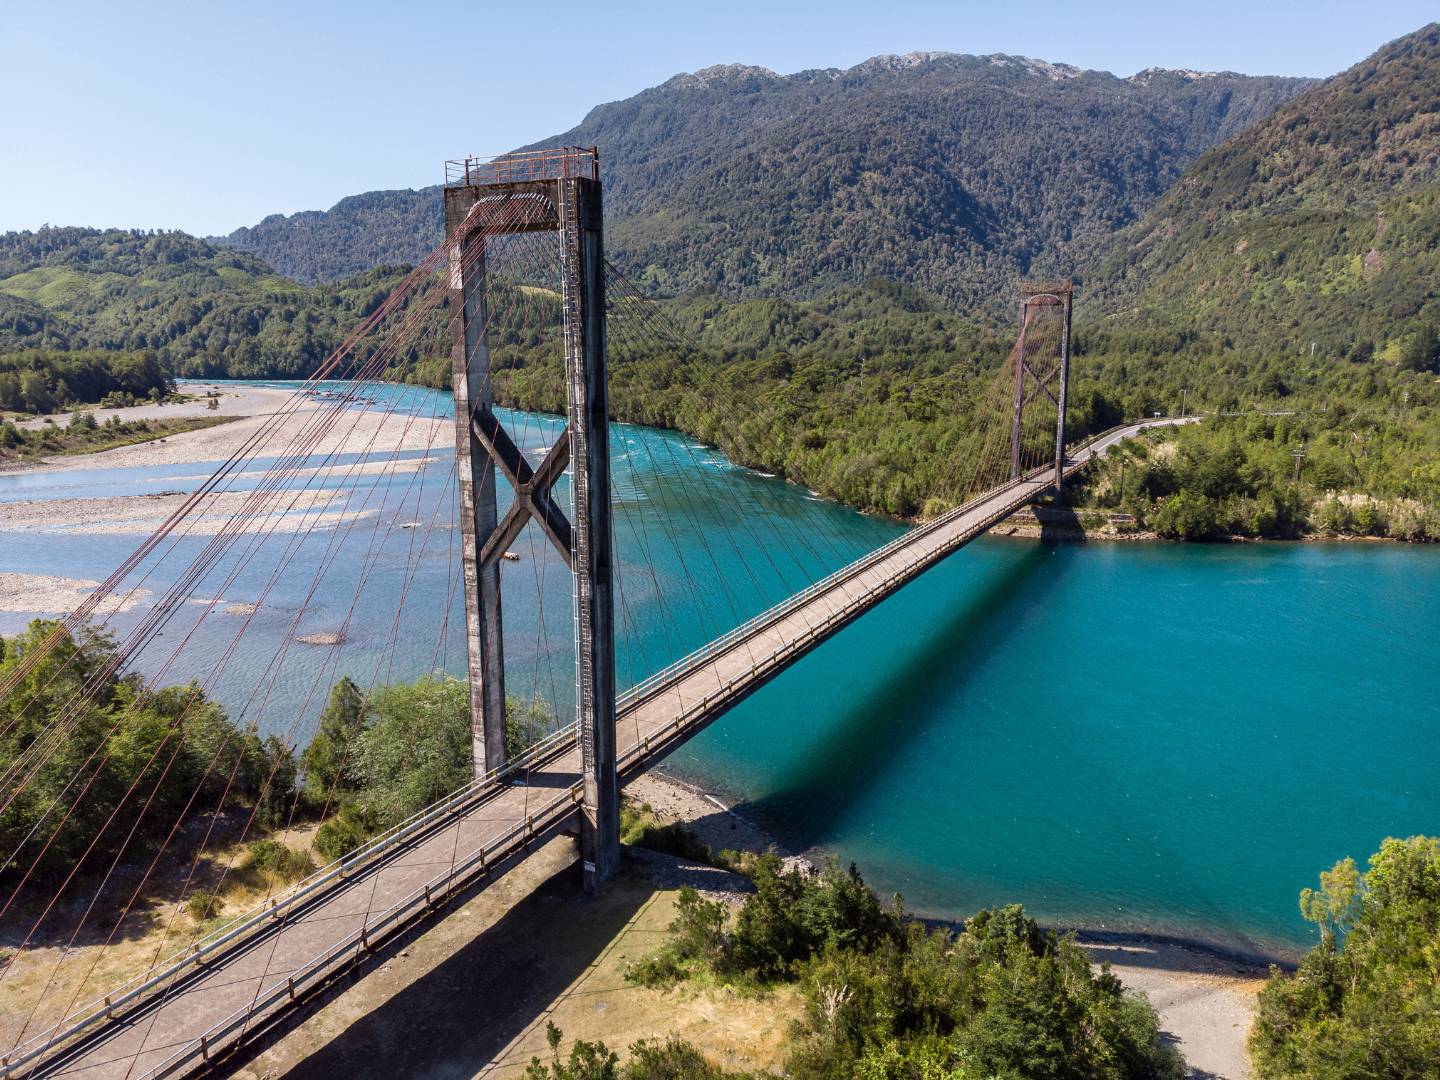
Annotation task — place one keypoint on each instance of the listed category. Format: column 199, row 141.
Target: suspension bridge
column 328, row 497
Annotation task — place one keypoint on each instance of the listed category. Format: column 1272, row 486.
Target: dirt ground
column 471, row 996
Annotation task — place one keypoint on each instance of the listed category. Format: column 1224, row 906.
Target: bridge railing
column 557, row 163
column 773, row 614
column 374, row 930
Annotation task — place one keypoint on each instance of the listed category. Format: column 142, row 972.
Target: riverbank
column 245, row 418
column 254, row 423
column 1206, row 997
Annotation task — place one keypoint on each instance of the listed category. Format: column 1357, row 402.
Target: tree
column 415, row 748
column 323, row 761
column 526, row 723
column 35, row 393
column 1363, row 1001
column 1422, row 352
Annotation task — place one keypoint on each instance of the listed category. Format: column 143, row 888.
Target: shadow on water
column 878, row 725
column 1058, row 523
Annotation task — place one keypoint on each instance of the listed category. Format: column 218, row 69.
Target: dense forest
column 868, row 392
column 1317, row 230
column 870, row 396
column 44, row 380
column 931, row 169
column 202, row 310
column 71, row 716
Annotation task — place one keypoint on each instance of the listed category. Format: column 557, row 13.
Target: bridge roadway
column 245, row 975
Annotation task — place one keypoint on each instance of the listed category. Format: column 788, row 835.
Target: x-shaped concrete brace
column 532, row 488
column 1040, row 384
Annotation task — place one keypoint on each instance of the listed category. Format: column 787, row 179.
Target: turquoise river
column 1161, row 737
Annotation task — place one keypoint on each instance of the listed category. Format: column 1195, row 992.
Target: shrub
column 202, row 905
column 339, row 836
column 277, row 862
column 697, row 941
column 674, row 1059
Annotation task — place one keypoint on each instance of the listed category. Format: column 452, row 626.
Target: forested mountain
column 204, row 310
column 1319, row 225
column 953, row 173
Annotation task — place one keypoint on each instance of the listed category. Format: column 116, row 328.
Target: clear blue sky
column 206, row 116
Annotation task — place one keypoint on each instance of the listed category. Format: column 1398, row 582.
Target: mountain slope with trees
column 953, row 173
column 202, row 310
column 1318, row 227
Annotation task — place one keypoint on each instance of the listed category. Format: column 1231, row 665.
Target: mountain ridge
column 1321, row 221
column 926, row 167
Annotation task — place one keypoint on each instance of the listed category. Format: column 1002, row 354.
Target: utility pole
column 542, row 191
column 1299, row 456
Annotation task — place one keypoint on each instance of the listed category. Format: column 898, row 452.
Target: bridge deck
column 205, row 1003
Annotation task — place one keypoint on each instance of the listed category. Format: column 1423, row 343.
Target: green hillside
column 1319, row 226
column 204, row 310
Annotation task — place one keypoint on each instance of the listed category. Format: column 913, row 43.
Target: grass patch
column 33, row 444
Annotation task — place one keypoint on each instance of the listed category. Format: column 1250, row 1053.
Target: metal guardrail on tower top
column 558, row 163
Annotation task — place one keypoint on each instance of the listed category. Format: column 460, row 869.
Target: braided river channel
column 1172, row 738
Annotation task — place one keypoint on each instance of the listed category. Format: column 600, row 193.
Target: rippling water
column 1169, row 737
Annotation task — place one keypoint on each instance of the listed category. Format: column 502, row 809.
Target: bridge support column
column 582, row 261
column 1042, row 369
column 1016, row 432
column 1064, row 389
column 470, row 375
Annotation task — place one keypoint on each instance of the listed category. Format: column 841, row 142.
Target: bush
column 1363, row 1001
column 339, row 836
column 276, row 862
column 697, row 942
column 202, row 905
column 1001, row 999
column 674, row 1059
column 792, row 916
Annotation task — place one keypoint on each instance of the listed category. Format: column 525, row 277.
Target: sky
column 205, row 115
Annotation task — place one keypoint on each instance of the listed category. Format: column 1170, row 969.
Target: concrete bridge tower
column 544, row 191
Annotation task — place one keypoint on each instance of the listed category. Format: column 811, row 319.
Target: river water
column 1174, row 738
